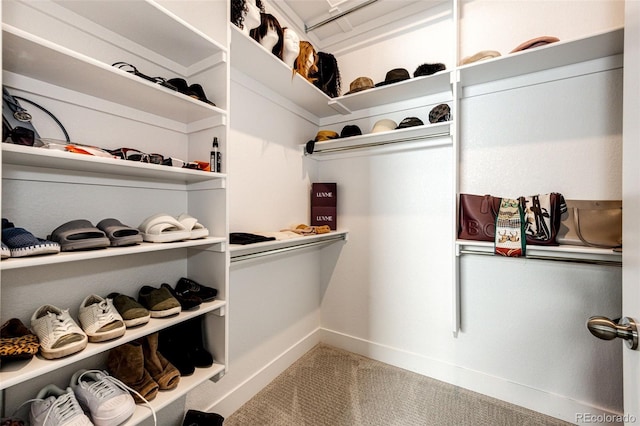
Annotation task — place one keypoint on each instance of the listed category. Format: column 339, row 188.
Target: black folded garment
column 247, row 238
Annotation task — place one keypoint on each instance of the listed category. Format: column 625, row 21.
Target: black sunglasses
column 135, row 155
column 19, row 135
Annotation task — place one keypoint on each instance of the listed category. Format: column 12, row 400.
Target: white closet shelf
column 164, row 398
column 255, row 61
column 150, row 25
column 40, row 59
column 61, row 160
column 428, row 135
column 565, row 253
column 216, row 243
column 558, row 54
column 18, row 372
column 249, row 251
column 408, row 89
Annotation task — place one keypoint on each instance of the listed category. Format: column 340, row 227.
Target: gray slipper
column 79, row 235
column 119, row 234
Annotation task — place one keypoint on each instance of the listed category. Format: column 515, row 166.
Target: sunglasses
column 133, row 70
column 135, row 155
column 19, row 135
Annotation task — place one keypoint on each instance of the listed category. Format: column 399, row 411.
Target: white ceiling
column 368, row 17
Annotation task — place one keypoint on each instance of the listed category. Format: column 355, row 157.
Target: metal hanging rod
column 268, row 252
column 553, row 258
column 338, row 16
column 376, row 144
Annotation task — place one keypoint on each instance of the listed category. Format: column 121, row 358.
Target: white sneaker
column 55, row 407
column 100, row 319
column 58, row 333
column 105, row 397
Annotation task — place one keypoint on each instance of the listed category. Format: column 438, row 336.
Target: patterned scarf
column 509, row 237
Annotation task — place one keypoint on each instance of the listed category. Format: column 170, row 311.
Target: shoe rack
column 60, row 54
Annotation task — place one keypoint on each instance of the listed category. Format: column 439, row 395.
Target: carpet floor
column 331, row 387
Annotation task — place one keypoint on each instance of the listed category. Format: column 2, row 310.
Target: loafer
column 205, row 293
column 132, row 312
column 158, row 301
column 187, row 299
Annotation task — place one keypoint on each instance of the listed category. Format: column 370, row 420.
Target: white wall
column 387, row 292
column 522, row 335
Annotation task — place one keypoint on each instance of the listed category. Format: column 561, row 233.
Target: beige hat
column 480, row 56
column 360, row 84
column 384, row 125
column 535, row 42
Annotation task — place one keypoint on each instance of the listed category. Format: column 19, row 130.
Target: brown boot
column 126, row 363
column 163, row 372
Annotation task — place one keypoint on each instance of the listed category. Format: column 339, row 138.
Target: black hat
column 350, row 130
column 410, row 122
column 428, row 69
column 440, row 113
column 394, row 76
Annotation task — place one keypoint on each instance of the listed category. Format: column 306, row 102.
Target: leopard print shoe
column 17, row 342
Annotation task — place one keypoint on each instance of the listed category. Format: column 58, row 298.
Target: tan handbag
column 593, row 223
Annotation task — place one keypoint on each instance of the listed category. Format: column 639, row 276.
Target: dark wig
column 328, row 75
column 238, row 7
column 268, row 21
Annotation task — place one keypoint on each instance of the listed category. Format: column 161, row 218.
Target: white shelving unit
column 43, row 188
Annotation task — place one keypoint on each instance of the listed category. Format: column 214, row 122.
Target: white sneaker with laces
column 55, row 407
column 100, row 319
column 58, row 333
column 106, row 398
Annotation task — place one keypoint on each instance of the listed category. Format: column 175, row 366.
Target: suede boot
column 163, row 372
column 171, row 345
column 126, row 363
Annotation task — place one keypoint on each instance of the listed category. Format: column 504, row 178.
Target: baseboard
column 557, row 406
column 244, row 391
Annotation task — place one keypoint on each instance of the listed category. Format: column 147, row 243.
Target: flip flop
column 22, row 243
column 120, row 235
column 196, row 229
column 162, row 228
column 79, row 234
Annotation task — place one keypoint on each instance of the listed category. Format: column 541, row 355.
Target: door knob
column 606, row 329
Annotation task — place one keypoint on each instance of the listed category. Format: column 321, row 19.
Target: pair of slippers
column 80, row 234
column 18, row 242
column 163, row 228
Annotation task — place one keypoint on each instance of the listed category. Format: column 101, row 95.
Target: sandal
column 162, row 228
column 196, row 229
column 120, row 235
column 79, row 235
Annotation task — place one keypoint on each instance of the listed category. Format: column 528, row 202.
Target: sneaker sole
column 166, row 312
column 137, row 321
column 65, row 351
column 103, row 337
column 117, row 420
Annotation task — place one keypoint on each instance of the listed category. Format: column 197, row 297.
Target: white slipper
column 162, row 228
column 196, row 229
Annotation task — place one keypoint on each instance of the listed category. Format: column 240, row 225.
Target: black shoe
column 187, row 299
column 194, row 341
column 205, row 293
column 199, row 92
column 170, row 346
column 200, row 418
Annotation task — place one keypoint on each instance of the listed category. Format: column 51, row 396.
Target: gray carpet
column 332, row 387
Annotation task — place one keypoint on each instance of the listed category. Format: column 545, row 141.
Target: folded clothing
column 247, row 238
